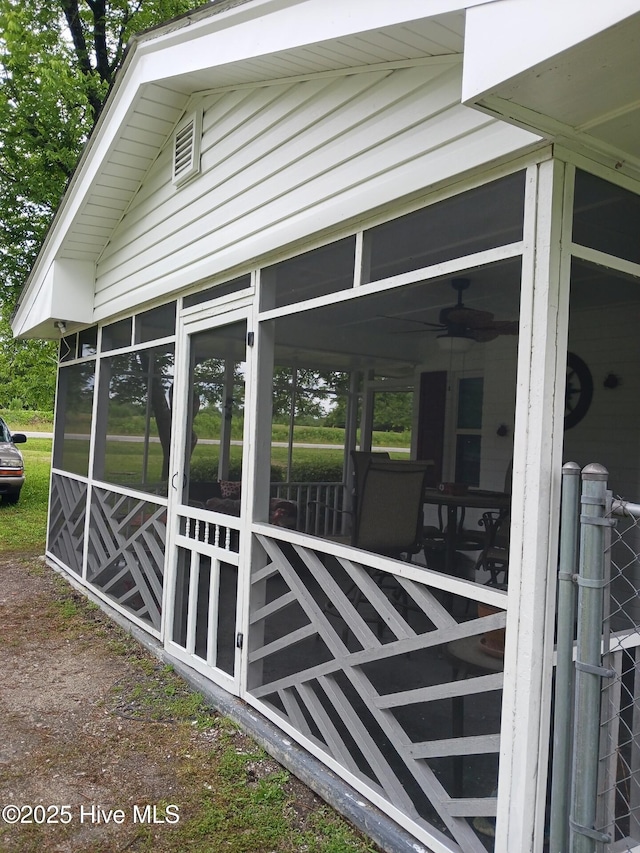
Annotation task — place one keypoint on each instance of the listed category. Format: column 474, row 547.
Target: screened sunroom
column 176, row 499
column 315, row 397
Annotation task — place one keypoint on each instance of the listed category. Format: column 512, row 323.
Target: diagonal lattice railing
column 126, row 552
column 67, row 513
column 375, row 670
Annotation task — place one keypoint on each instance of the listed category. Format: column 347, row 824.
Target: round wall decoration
column 578, row 391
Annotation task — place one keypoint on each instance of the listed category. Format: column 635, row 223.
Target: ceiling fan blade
column 494, row 330
column 435, row 326
column 505, row 327
column 483, row 336
column 470, row 317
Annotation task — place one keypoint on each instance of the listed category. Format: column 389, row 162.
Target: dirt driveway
column 102, row 748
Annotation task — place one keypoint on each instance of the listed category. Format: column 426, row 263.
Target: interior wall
column 498, row 410
column 605, row 336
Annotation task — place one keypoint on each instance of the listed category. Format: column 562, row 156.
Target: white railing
column 322, row 507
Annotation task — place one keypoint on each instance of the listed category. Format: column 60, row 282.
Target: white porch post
column 256, row 477
column 366, row 421
column 350, row 438
column 536, row 488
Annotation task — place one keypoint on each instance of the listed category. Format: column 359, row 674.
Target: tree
column 27, row 373
column 58, row 59
column 392, row 412
column 313, row 392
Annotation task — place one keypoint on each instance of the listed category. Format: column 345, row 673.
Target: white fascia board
column 268, row 26
column 66, row 293
column 507, row 37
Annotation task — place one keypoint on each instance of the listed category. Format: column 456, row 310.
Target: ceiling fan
column 458, row 321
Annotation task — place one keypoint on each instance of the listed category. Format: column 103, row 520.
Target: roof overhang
column 568, row 71
column 224, row 44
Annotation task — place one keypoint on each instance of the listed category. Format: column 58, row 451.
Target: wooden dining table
column 455, row 505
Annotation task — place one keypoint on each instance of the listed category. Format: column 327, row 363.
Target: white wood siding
column 283, row 162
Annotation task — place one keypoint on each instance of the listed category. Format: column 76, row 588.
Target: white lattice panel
column 375, row 670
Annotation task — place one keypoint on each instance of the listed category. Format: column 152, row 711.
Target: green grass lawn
column 224, row 804
column 23, row 526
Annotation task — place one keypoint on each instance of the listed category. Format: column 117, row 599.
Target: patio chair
column 388, row 521
column 494, row 557
column 389, row 513
column 360, row 460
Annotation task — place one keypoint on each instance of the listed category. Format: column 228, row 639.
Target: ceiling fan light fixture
column 454, row 343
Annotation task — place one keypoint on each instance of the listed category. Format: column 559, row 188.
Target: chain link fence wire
column 618, row 805
column 595, row 784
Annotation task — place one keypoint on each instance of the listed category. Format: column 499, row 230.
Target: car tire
column 12, row 499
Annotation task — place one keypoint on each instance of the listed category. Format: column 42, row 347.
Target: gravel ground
column 82, row 726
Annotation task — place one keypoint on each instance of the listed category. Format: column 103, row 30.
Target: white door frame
column 190, row 322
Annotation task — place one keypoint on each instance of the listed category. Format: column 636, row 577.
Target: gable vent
column 186, row 148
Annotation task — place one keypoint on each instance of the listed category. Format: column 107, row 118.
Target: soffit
column 589, row 94
column 158, row 106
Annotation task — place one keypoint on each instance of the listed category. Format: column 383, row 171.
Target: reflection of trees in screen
column 140, row 391
column 78, row 381
column 215, row 398
column 209, row 385
column 74, row 414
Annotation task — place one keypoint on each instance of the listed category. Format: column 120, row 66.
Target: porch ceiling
column 587, row 93
column 379, row 331
column 373, row 332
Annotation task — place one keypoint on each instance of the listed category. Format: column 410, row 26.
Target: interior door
column 204, row 606
column 431, row 421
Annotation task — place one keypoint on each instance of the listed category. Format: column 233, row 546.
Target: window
column 606, row 217
column 468, row 430
column 88, row 342
column 74, row 416
column 69, row 348
column 134, row 419
column 117, row 335
column 474, row 221
column 156, row 323
column 218, row 290
column 316, row 273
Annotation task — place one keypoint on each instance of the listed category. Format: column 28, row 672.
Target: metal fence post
column 563, row 694
column 589, row 670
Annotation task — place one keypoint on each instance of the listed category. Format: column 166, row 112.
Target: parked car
column 11, row 464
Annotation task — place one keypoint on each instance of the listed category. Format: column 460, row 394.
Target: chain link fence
column 618, row 811
column 596, row 768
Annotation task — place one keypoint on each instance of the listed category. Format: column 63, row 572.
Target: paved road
column 138, row 438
